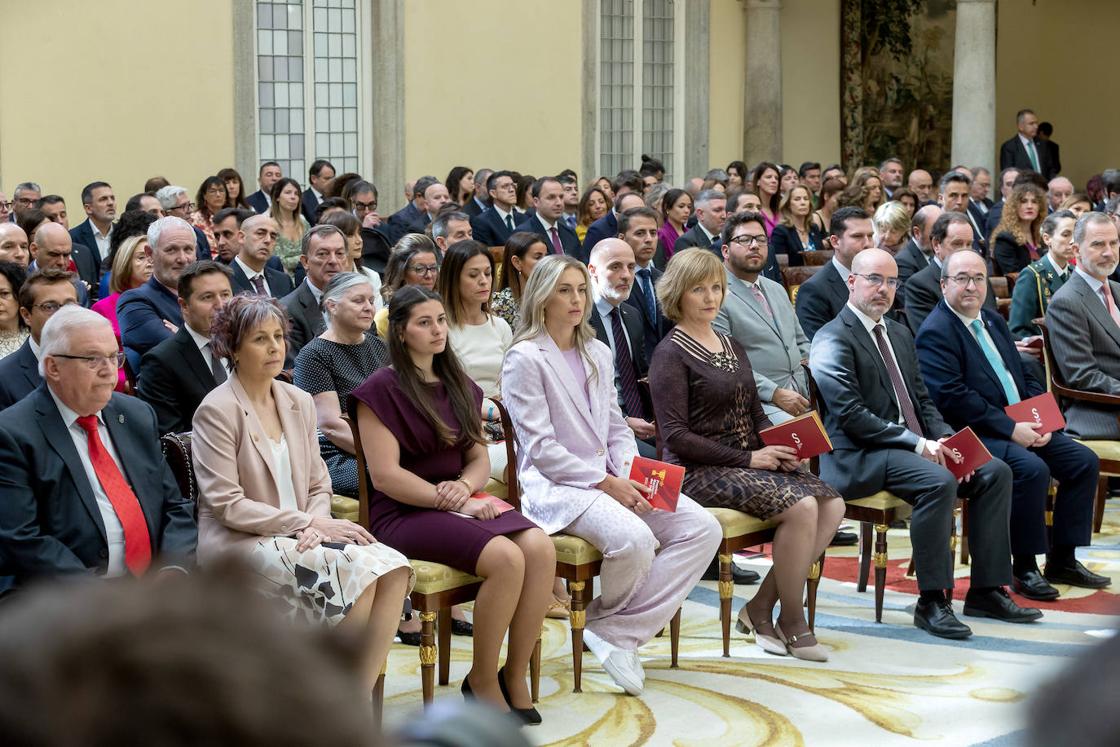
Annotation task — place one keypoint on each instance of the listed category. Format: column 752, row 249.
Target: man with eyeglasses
column 951, row 232
column 5, row 208
column 973, row 371
column 494, row 225
column 24, row 197
column 114, row 507
column 887, row 434
column 821, row 297
column 41, row 295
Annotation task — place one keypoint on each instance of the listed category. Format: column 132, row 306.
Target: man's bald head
column 1058, row 190
column 611, row 266
column 605, row 247
column 872, row 283
column 922, row 223
column 874, row 260
column 14, row 244
column 51, row 246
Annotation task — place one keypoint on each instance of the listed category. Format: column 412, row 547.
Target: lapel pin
column 120, row 418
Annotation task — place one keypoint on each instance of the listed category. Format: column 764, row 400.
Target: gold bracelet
column 467, row 485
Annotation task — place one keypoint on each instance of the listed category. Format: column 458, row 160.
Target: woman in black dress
column 796, row 234
column 1018, row 235
column 709, row 416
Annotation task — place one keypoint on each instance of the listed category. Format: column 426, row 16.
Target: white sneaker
column 626, row 671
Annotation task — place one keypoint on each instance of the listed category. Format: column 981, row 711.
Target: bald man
column 52, row 247
column 257, row 237
column 921, row 183
column 14, row 246
column 887, row 434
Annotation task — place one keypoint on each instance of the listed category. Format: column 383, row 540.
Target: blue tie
column 644, row 276
column 996, row 363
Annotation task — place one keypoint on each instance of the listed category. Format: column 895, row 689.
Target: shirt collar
column 34, row 346
column 867, row 322
column 317, row 193
column 503, row 213
column 97, row 232
column 69, row 417
column 1025, row 140
column 965, row 320
column 250, row 273
column 314, row 291
column 200, row 340
column 711, row 236
column 547, row 226
column 844, row 271
column 603, row 306
column 1094, row 284
column 1052, row 263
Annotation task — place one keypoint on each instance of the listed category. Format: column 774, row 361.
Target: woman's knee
column 537, row 548
column 802, row 514
column 501, row 557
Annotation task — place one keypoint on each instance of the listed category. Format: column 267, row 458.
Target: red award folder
column 501, row 505
column 663, row 479
column 965, row 452
column 805, row 433
column 1042, row 410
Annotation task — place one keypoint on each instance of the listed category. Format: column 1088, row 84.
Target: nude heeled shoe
column 767, row 643
column 816, row 652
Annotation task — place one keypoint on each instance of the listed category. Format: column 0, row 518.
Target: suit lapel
column 240, row 280
column 256, row 430
column 973, row 344
column 1095, row 304
column 193, row 356
column 870, row 349
column 739, row 289
column 29, row 365
column 118, row 426
column 50, row 421
column 574, row 389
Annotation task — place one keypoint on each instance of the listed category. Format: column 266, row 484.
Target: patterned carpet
column 885, row 685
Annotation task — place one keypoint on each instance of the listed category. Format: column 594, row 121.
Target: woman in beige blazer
column 264, row 491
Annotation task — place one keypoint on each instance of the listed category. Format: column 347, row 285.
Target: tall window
column 309, row 61
column 639, row 57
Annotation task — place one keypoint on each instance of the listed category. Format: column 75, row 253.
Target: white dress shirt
column 1050, row 260
column 844, row 273
column 250, row 273
column 203, row 344
column 102, row 240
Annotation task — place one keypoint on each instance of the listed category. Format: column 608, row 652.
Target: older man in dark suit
column 822, row 296
column 42, row 294
column 114, row 507
column 1024, row 151
column 251, row 272
column 916, row 254
column 414, row 216
column 710, row 214
column 323, row 255
column 887, row 435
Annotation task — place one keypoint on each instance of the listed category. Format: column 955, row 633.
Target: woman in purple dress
column 426, row 454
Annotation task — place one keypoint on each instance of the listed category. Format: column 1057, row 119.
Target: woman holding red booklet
column 709, row 417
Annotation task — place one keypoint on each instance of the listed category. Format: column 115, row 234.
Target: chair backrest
column 513, row 487
column 818, row 258
column 176, row 448
column 795, row 276
column 364, row 483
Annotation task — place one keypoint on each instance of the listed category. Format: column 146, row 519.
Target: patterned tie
column 555, row 236
column 1033, row 155
column 645, row 277
column 908, row 415
column 627, row 376
column 717, row 245
column 137, row 541
column 509, row 222
column 997, row 364
column 258, row 285
column 757, row 293
column 216, row 366
column 1106, row 294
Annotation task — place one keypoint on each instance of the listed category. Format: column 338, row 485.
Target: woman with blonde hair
column 796, row 234
column 132, row 267
column 892, row 226
column 1077, row 203
column 709, row 416
column 1019, row 233
column 864, row 191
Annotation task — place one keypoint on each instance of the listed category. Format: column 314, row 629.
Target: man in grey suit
column 1084, row 327
column 323, row 254
column 886, row 435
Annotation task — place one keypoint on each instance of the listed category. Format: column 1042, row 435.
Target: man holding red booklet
column 973, row 372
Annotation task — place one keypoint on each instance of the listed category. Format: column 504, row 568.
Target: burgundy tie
column 258, row 285
column 555, row 236
column 908, row 414
column 627, row 376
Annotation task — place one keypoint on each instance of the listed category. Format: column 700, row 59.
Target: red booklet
column 501, row 505
column 663, row 479
column 805, row 433
column 965, row 452
column 1042, row 410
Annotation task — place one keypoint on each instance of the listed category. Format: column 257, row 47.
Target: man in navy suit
column 479, row 201
column 96, row 230
column 822, row 296
column 86, row 489
column 42, row 294
column 268, row 175
column 606, row 227
column 548, row 201
column 320, row 173
column 972, row 370
column 251, row 271
column 711, row 212
column 1023, row 151
column 494, row 225
column 414, row 216
column 150, row 314
column 638, row 228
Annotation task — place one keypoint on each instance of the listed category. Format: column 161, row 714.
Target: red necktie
column 556, row 245
column 137, row 541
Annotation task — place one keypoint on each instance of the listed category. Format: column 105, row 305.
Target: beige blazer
column 238, row 498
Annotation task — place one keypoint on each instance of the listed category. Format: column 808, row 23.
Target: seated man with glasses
column 114, row 507
column 970, row 365
column 41, row 295
column 887, row 434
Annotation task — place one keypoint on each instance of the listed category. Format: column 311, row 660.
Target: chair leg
column 1051, row 495
column 428, row 656
column 726, row 590
column 880, row 569
column 1098, row 506
column 443, row 630
column 535, row 672
column 578, row 618
column 675, row 638
column 864, row 555
column 811, row 585
column 966, row 555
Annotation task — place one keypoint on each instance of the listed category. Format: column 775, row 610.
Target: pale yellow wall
column 1053, row 56
column 727, row 61
column 810, row 81
column 118, row 90
column 455, row 114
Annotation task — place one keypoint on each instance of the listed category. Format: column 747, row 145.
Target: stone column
column 762, row 115
column 974, row 84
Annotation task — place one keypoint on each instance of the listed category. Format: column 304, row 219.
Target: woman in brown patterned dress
column 709, row 415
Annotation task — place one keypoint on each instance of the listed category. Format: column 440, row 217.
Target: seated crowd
column 632, row 319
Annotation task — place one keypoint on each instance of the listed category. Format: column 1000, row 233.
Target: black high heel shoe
column 530, row 716
column 468, row 694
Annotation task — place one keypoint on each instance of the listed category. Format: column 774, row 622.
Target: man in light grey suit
column 1084, row 327
column 757, row 312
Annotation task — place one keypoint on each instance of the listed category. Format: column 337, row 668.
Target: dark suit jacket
column 306, row 320
column 141, row 313
column 472, row 208
column 1053, row 158
column 406, row 220
column 820, row 299
column 19, row 375
column 568, row 238
column 631, row 320
column 653, row 328
column 1009, row 255
column 202, row 244
column 979, row 221
column 258, row 202
column 279, row 284
column 923, row 292
column 174, row 378
column 86, row 257
column 994, row 215
column 858, row 402
column 308, row 205
column 695, row 236
column 49, row 520
column 960, row 381
column 488, row 227
column 784, row 240
column 1013, row 154
column 910, row 260
column 603, row 228
column 376, row 248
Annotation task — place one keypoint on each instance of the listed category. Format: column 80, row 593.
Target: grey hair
column 953, row 176
column 169, row 195
column 978, row 170
column 338, row 286
column 655, row 194
column 1093, row 217
column 439, row 225
column 162, row 224
column 708, row 195
column 55, row 337
column 30, row 186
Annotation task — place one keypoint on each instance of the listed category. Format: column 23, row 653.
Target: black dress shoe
column 998, row 605
column 530, row 715
column 409, row 639
column 937, row 618
column 1033, row 586
column 738, row 575
column 844, row 539
column 1075, row 575
column 462, row 627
